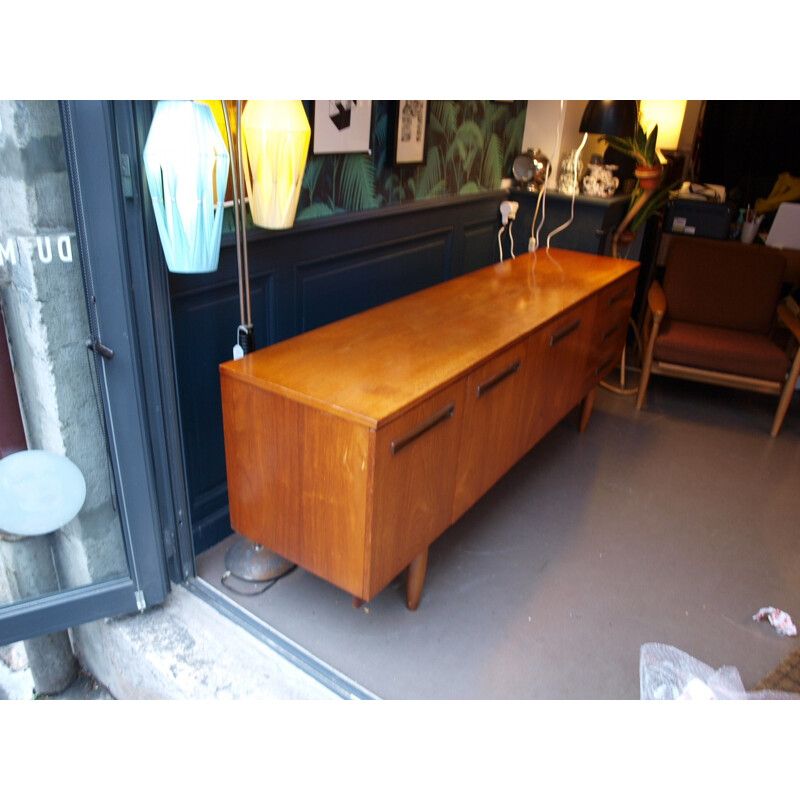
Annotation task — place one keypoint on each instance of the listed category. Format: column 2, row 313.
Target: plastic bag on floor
column 666, row 673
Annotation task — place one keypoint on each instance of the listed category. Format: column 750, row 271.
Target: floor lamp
column 268, row 141
column 616, row 118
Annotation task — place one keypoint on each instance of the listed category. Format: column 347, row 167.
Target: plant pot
column 648, row 177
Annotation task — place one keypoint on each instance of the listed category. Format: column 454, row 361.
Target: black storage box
column 699, row 218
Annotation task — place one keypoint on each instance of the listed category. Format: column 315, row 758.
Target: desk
column 352, row 447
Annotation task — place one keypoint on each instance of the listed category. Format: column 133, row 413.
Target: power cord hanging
column 268, row 584
column 533, row 244
column 575, row 159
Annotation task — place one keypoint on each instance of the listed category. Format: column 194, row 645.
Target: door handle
column 618, row 296
column 424, row 426
column 605, row 365
column 564, row 332
column 96, row 346
column 490, row 383
column 609, row 333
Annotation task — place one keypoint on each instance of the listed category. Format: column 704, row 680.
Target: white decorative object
column 569, row 177
column 39, row 492
column 600, row 181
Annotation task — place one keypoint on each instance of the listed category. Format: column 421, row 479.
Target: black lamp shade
column 610, row 117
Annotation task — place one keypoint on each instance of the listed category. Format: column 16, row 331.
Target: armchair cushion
column 721, row 349
column 723, row 283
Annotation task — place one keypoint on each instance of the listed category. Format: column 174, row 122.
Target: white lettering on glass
column 45, row 259
column 8, row 252
column 9, row 248
column 65, row 249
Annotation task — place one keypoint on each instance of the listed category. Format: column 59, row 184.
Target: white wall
column 542, row 123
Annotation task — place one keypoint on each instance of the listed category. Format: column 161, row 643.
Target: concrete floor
column 674, row 525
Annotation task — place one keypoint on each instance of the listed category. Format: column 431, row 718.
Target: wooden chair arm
column 657, row 301
column 789, row 320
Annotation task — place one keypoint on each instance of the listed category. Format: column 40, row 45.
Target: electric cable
column 500, row 241
column 511, row 236
column 268, row 584
column 542, row 199
column 574, row 192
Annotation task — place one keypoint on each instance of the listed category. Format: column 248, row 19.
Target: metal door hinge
column 140, row 602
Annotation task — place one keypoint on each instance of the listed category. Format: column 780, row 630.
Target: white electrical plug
column 508, row 210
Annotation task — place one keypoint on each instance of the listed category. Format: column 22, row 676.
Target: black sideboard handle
column 608, row 334
column 564, row 332
column 622, row 293
column 424, row 426
column 490, row 383
column 605, row 365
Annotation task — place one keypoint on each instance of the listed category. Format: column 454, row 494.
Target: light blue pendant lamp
column 187, row 164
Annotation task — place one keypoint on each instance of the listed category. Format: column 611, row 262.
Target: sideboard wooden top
column 371, row 366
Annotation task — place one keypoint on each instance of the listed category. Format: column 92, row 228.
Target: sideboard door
column 557, row 355
column 490, row 443
column 414, row 480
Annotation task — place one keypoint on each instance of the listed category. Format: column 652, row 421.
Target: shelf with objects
column 593, row 224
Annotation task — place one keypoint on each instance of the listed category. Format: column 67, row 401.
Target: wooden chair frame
column 657, row 308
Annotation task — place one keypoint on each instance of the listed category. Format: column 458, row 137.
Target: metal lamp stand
column 634, row 209
column 246, row 559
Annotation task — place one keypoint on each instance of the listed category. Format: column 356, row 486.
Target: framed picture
column 342, row 126
column 411, row 132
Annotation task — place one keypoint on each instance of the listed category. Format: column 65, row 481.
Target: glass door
column 75, row 354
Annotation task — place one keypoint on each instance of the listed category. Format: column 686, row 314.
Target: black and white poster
column 342, row 126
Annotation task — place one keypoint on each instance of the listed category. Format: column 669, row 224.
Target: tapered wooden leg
column 357, row 602
column 786, row 396
column 415, row 579
column 586, row 409
column 647, row 364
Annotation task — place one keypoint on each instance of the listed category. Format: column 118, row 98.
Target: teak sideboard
column 352, row 447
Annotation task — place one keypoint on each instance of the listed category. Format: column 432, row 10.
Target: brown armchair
column 714, row 320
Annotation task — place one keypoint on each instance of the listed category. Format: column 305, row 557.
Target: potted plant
column 648, row 196
column 642, row 148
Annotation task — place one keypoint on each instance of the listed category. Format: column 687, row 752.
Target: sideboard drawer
column 611, row 313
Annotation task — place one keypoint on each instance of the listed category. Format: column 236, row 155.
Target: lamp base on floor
column 250, row 561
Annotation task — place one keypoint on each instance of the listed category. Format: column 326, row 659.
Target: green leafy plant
column 641, row 146
column 652, row 205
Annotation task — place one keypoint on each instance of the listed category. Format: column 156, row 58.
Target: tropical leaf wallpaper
column 471, row 145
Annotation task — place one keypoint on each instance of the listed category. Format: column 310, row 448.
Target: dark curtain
column 746, row 144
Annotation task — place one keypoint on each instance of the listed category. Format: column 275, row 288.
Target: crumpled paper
column 779, row 620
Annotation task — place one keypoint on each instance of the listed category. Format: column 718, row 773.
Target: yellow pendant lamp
column 270, row 139
column 275, row 139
